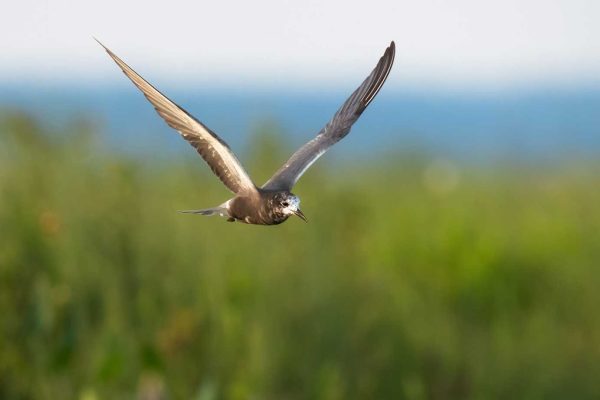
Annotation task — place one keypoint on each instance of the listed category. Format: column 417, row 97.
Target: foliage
column 413, row 279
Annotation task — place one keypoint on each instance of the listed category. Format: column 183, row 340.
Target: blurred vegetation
column 414, row 279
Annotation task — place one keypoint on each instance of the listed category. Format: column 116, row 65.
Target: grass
column 463, row 283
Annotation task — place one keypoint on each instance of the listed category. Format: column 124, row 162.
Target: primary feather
column 211, row 147
column 336, row 129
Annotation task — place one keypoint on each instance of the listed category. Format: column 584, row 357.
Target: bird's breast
column 255, row 210
column 242, row 210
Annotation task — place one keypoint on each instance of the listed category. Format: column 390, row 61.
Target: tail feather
column 208, row 211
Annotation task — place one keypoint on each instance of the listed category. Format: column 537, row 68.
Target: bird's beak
column 300, row 214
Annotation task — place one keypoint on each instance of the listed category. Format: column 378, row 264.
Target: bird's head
column 288, row 204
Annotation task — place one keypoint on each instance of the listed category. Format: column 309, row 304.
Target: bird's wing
column 211, row 147
column 338, row 127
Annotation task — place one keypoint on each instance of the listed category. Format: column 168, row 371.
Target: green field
column 414, row 279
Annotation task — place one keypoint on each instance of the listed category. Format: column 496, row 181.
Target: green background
column 414, row 278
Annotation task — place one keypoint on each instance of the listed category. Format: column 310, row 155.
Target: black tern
column 274, row 202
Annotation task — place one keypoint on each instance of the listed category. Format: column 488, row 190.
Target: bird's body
column 272, row 203
column 264, row 207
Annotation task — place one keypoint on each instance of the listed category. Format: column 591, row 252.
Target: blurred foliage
column 414, row 279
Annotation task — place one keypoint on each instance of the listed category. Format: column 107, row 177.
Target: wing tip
column 386, row 62
column 100, row 43
column 110, row 53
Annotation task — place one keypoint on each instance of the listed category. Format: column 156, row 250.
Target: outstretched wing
column 211, row 147
column 339, row 126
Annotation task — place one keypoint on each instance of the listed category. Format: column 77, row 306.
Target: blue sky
column 461, row 43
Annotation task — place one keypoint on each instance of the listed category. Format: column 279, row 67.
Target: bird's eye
column 285, row 204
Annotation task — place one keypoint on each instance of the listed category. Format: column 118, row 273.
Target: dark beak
column 299, row 213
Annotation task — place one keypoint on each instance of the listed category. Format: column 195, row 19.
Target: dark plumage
column 272, row 203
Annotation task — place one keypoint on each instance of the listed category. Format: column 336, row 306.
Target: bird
column 273, row 202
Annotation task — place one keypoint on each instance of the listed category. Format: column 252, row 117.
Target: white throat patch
column 294, row 204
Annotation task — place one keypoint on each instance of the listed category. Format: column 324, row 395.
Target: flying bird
column 272, row 203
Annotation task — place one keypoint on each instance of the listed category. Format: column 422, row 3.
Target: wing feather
column 336, row 129
column 208, row 144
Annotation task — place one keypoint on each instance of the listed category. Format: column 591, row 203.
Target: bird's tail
column 221, row 211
